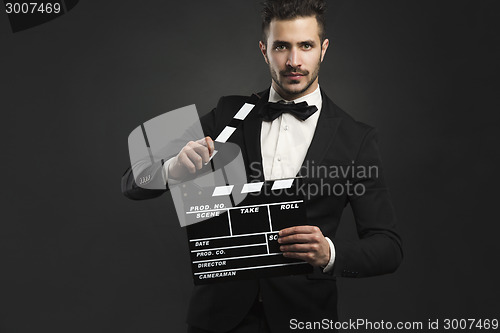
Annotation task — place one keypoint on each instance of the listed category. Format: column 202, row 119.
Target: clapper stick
column 226, row 133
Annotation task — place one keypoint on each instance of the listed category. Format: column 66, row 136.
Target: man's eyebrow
column 281, row 42
column 308, row 42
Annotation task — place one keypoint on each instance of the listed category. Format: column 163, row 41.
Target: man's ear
column 324, row 46
column 263, row 49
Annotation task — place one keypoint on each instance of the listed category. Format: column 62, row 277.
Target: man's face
column 294, row 53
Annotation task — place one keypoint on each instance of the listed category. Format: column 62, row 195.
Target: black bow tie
column 301, row 110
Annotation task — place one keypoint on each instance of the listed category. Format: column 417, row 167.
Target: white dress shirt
column 284, row 143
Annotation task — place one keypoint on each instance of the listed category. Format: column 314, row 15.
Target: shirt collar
column 313, row 98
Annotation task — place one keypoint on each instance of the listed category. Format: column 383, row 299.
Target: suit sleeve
column 378, row 250
column 151, row 173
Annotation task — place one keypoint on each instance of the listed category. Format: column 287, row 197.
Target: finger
column 299, row 238
column 201, row 149
column 306, row 256
column 185, row 162
column 195, row 158
column 202, row 142
column 300, row 248
column 210, row 145
column 303, row 229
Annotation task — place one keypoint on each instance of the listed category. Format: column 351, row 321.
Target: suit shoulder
column 232, row 101
column 234, row 98
column 351, row 125
column 228, row 106
column 352, row 135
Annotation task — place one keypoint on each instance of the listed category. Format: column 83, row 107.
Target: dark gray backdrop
column 77, row 256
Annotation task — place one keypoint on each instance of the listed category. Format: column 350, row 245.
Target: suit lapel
column 252, row 127
column 324, row 134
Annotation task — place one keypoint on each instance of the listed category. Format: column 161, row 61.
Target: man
column 281, row 145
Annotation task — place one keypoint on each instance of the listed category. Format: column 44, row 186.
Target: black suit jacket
column 339, row 142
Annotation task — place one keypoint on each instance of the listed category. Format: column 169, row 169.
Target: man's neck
column 276, row 96
column 288, row 97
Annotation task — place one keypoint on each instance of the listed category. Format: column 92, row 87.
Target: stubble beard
column 275, row 77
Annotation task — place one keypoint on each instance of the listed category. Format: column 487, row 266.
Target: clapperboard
column 241, row 242
column 233, row 228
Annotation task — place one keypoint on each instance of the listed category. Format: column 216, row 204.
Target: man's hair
column 290, row 9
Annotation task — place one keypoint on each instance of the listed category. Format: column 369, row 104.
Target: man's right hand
column 192, row 157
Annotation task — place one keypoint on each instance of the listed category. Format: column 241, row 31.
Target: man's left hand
column 306, row 243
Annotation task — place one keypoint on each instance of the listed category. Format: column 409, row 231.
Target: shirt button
column 279, row 159
column 286, row 128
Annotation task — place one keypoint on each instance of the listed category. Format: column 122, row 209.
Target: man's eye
column 307, row 46
column 280, row 47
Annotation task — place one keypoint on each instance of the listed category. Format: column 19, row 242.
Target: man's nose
column 293, row 58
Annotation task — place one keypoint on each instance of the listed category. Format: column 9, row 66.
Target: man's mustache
column 295, row 71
